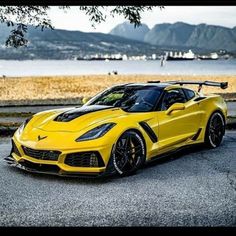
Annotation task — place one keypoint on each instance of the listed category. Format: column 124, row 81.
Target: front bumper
column 41, row 170
column 59, row 167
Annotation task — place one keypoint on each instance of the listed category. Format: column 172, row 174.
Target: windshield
column 130, row 99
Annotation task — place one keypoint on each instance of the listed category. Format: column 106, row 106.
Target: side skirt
column 167, row 154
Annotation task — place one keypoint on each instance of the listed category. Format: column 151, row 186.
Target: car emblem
column 40, row 138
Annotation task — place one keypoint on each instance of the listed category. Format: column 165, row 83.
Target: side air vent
column 149, row 131
column 195, row 137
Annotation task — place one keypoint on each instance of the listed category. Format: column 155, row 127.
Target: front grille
column 40, row 167
column 41, row 154
column 84, row 159
column 15, row 149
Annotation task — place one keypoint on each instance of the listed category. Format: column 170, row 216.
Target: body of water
column 66, row 67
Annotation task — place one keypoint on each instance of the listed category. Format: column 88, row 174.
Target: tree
column 19, row 17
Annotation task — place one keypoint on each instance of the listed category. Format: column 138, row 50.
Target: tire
column 215, row 130
column 128, row 153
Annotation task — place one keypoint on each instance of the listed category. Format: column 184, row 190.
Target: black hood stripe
column 77, row 112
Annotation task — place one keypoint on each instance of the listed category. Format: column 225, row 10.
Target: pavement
column 195, row 187
column 231, row 108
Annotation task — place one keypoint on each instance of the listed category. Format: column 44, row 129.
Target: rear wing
column 222, row 85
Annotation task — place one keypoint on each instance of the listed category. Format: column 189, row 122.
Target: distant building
column 124, row 57
column 180, row 56
column 211, row 56
column 154, row 56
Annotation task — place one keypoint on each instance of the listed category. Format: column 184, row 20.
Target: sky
column 214, row 15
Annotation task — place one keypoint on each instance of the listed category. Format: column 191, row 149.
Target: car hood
column 76, row 119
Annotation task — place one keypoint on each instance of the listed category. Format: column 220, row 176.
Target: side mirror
column 175, row 107
column 85, row 100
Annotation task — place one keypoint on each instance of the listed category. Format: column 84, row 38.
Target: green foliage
column 21, row 16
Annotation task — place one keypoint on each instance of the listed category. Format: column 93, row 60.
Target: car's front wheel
column 215, row 130
column 128, row 153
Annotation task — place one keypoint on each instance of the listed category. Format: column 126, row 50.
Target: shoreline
column 72, row 89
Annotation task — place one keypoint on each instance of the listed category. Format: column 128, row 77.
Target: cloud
column 215, row 15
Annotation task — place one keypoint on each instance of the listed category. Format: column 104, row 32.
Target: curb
column 7, row 131
column 42, row 102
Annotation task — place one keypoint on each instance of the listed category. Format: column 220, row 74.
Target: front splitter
column 12, row 162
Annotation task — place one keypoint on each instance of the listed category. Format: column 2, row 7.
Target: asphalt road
column 195, row 187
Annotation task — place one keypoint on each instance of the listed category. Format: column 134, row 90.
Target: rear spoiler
column 222, row 85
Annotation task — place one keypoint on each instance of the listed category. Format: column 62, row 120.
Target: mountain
column 212, row 37
column 128, row 30
column 65, row 44
column 182, row 35
column 169, row 34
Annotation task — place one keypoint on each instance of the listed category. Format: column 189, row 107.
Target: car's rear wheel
column 128, row 153
column 215, row 130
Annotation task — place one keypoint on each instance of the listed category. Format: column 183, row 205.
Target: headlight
column 97, row 132
column 21, row 128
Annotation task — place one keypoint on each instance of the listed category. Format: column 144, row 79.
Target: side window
column 189, row 94
column 172, row 96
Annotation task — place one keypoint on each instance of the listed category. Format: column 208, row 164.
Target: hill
column 65, row 44
column 128, row 30
column 183, row 35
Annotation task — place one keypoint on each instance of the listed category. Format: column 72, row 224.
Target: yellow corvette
column 119, row 129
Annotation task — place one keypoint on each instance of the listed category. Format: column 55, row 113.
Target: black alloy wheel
column 215, row 130
column 128, row 153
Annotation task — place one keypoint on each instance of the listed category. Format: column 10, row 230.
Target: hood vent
column 77, row 112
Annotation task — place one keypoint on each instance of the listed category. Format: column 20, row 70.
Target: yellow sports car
column 120, row 129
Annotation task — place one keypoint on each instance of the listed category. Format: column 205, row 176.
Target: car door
column 179, row 125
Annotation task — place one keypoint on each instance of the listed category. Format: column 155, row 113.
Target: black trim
column 169, row 153
column 83, row 159
column 198, row 99
column 41, row 154
column 187, row 95
column 222, row 85
column 149, row 131
column 159, row 105
column 197, row 134
column 154, row 81
column 51, row 169
column 159, row 102
column 15, row 149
